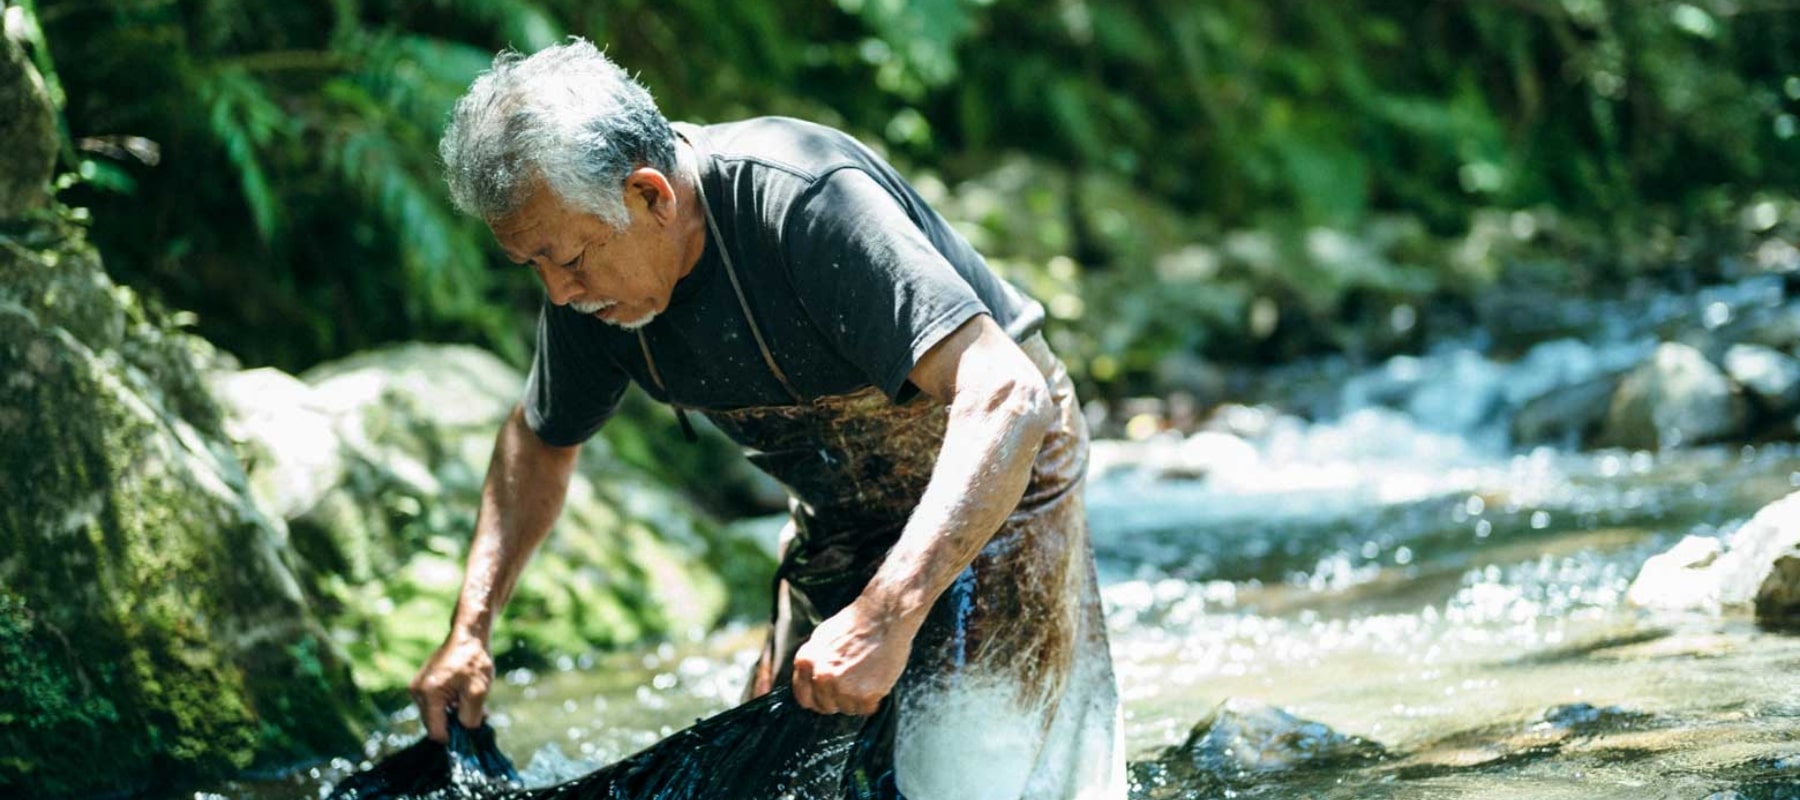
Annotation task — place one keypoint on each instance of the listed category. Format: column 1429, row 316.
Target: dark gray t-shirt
column 851, row 276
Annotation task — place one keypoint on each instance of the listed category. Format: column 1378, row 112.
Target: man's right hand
column 457, row 675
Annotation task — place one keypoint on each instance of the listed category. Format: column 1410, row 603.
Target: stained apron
column 1009, row 690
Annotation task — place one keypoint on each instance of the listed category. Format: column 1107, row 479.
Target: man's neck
column 692, row 204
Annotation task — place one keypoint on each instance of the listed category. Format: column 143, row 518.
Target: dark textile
column 767, row 749
column 1017, row 644
column 851, row 276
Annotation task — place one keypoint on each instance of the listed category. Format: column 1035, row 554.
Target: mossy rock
column 151, row 628
column 630, row 558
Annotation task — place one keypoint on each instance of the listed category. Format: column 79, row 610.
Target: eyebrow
column 542, row 254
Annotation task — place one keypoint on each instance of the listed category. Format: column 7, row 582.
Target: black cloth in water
column 767, row 749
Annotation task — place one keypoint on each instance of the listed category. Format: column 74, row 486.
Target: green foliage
column 297, row 206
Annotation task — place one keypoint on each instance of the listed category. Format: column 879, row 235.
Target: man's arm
column 522, row 496
column 1000, row 410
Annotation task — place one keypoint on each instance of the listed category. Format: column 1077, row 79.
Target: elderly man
column 787, row 283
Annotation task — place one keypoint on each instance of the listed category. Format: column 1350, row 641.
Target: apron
column 1009, row 690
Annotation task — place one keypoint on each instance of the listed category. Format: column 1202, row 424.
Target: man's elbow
column 1025, row 406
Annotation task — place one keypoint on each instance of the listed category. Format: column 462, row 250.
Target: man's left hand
column 852, row 661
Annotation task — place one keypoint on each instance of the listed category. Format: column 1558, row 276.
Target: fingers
column 831, row 694
column 471, row 707
column 458, row 676
column 432, row 711
column 803, row 686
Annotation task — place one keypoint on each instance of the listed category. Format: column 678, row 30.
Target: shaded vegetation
column 294, row 203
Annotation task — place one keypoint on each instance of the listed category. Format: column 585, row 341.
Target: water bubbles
column 1540, row 520
column 1609, row 466
column 1474, row 506
column 1403, row 555
column 1483, row 529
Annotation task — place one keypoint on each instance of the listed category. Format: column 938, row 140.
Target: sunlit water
column 1394, row 577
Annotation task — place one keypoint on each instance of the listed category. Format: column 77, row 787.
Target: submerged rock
column 1676, row 399
column 1491, row 747
column 1243, row 743
column 151, row 625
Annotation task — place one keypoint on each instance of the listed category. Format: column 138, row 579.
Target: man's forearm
column 522, row 496
column 990, row 444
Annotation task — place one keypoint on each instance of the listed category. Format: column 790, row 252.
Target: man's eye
column 572, row 264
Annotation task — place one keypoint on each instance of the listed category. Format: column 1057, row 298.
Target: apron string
column 737, row 286
column 687, row 427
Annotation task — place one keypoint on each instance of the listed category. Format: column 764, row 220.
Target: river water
column 1397, row 574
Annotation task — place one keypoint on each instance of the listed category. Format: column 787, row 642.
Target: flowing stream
column 1397, row 576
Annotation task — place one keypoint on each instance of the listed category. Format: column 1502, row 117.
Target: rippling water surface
column 1460, row 607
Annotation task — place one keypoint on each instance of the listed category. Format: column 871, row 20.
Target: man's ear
column 653, row 188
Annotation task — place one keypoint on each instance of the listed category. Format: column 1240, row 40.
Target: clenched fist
column 852, row 661
column 457, row 675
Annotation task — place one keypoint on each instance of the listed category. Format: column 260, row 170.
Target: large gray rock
column 1570, row 415
column 1758, row 570
column 1676, row 399
column 291, row 442
column 1771, row 376
column 28, row 137
column 415, row 425
column 151, row 625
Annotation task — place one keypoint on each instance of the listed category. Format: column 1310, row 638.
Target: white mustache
column 593, row 307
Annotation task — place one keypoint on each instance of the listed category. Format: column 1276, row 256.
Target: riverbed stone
column 152, row 628
column 1768, row 374
column 1675, row 399
column 1242, row 738
column 1570, row 415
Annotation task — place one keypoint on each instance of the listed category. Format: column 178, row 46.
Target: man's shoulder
column 805, row 150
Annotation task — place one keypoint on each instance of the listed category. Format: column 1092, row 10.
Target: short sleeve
column 871, row 280
column 574, row 385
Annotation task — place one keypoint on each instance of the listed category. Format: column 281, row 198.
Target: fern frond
column 245, row 121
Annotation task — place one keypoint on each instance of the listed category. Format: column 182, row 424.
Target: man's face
column 622, row 276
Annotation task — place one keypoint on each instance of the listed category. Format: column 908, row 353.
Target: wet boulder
column 151, row 625
column 1769, row 375
column 1676, row 399
column 1570, row 415
column 1681, row 579
column 1241, row 743
column 1758, row 570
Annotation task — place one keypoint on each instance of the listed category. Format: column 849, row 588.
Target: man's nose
column 560, row 285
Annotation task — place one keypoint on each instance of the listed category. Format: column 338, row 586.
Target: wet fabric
column 1009, row 690
column 767, row 749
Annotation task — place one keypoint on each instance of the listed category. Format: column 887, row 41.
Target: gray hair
column 566, row 118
